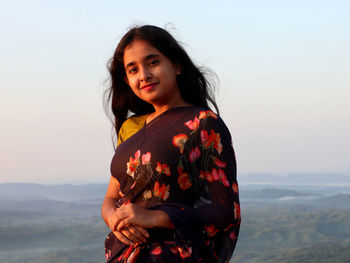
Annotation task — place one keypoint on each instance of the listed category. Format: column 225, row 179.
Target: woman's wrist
column 161, row 219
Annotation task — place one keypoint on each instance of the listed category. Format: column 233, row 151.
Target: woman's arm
column 108, row 206
column 129, row 234
column 208, row 159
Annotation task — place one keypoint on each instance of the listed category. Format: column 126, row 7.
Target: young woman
column 173, row 194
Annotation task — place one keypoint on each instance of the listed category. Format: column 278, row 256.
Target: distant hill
column 65, row 192
column 317, row 253
column 31, row 196
column 92, row 254
column 335, row 201
column 270, row 193
column 288, row 196
column 295, row 179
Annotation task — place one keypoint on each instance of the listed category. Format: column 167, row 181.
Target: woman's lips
column 148, row 86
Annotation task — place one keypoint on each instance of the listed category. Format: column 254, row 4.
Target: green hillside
column 317, row 253
column 38, row 231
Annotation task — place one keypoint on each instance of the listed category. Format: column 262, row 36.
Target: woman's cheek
column 134, row 86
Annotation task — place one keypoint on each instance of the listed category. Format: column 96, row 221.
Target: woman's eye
column 154, row 62
column 132, row 70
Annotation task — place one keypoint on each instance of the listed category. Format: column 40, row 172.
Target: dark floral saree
column 182, row 163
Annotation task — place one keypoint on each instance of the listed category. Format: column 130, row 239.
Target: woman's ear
column 178, row 68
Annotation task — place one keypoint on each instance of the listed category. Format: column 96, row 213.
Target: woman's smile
column 149, row 86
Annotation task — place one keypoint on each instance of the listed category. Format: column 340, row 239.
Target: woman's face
column 150, row 74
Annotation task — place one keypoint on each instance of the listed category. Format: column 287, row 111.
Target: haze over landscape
column 280, row 223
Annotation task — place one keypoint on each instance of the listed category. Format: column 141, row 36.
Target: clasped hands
column 129, row 223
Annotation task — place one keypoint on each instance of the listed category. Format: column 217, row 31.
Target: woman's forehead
column 139, row 46
column 139, row 50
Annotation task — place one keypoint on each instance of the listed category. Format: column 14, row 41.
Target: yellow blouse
column 130, row 126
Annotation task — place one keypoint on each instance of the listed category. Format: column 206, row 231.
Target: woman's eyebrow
column 151, row 56
column 130, row 64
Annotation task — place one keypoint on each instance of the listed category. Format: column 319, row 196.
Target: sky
column 283, row 91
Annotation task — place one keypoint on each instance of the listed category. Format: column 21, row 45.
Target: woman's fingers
column 128, row 233
column 123, row 223
column 134, row 235
column 122, row 238
column 119, row 215
column 139, row 232
column 142, row 230
column 115, row 222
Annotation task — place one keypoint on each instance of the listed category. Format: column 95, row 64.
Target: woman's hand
column 129, row 234
column 132, row 234
column 131, row 214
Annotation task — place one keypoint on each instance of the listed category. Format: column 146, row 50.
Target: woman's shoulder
column 201, row 114
column 130, row 126
column 134, row 120
column 208, row 120
column 192, row 110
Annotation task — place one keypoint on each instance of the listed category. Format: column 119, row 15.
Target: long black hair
column 194, row 86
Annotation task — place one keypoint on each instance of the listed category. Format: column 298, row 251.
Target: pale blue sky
column 283, row 68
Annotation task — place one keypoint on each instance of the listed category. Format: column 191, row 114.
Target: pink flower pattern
column 163, row 168
column 193, row 125
column 146, row 158
column 219, row 163
column 206, row 114
column 133, row 164
column 194, row 154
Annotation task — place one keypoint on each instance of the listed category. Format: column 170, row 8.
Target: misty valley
column 280, row 223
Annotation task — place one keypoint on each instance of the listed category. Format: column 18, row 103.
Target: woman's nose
column 145, row 74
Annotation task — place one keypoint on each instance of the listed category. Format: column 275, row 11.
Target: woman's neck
column 159, row 109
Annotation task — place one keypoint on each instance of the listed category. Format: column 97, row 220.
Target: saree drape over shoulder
column 182, row 163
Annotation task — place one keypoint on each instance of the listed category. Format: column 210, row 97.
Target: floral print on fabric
column 183, row 179
column 179, row 141
column 189, row 172
column 161, row 191
column 212, row 140
column 163, row 168
column 133, row 163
